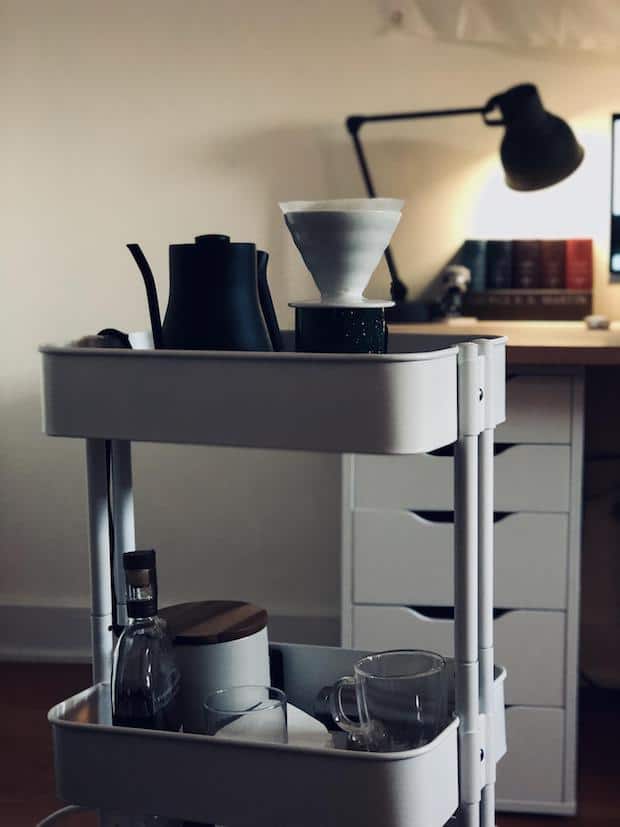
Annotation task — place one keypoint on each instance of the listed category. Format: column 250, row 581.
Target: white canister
column 217, row 643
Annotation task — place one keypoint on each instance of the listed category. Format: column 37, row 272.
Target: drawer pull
column 448, row 450
column 448, row 516
column 502, row 447
column 434, row 516
column 447, row 612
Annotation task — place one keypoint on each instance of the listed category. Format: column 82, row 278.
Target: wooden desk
column 537, row 343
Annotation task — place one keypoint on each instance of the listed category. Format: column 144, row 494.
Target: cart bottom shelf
column 243, row 784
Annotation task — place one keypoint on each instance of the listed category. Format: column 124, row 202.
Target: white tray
column 221, row 780
column 402, row 402
column 397, row 403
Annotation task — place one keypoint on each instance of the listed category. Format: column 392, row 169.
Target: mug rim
column 275, row 702
column 440, row 664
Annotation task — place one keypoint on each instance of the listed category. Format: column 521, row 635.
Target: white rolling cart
column 427, row 393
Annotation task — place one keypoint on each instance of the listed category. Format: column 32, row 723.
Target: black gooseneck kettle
column 218, row 300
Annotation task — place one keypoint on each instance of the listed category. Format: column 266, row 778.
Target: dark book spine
column 578, row 264
column 473, row 256
column 499, row 265
column 552, row 257
column 525, row 264
column 541, row 305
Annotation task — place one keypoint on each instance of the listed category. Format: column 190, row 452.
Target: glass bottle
column 145, row 678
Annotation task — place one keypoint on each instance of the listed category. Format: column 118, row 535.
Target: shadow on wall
column 242, row 524
column 437, row 181
column 43, row 535
column 287, row 163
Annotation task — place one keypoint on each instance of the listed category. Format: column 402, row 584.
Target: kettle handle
column 151, row 293
column 266, row 303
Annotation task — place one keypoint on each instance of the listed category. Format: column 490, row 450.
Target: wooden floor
column 27, row 784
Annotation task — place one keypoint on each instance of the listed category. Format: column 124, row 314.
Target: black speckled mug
column 340, row 330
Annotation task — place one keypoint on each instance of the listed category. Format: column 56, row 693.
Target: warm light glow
column 452, row 195
column 578, row 207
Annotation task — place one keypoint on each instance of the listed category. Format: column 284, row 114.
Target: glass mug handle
column 335, row 707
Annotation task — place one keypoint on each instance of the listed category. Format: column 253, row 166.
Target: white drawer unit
column 535, row 784
column 530, row 559
column 398, row 571
column 529, row 644
column 549, row 397
column 527, row 478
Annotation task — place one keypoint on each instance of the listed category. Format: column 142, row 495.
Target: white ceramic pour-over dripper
column 341, row 243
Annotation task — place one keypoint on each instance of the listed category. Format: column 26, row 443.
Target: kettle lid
column 212, row 621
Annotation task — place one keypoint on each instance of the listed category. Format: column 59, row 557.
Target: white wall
column 153, row 121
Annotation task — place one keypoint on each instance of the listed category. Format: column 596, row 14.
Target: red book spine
column 525, row 264
column 578, row 264
column 552, row 258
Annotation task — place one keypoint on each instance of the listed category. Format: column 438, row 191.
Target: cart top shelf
column 401, row 402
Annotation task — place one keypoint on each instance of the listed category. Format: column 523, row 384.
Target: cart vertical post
column 466, row 581
column 494, row 405
column 124, row 523
column 100, row 580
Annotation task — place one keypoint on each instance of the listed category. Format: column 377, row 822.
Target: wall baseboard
column 62, row 633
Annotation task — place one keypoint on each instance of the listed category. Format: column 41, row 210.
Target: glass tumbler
column 402, row 700
column 253, row 713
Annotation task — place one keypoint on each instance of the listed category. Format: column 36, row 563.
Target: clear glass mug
column 402, row 700
column 254, row 713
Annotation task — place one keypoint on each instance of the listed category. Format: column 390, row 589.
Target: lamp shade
column 538, row 149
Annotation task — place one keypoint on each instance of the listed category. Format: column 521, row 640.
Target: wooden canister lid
column 212, row 621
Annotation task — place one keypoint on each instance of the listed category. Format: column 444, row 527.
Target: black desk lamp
column 538, row 149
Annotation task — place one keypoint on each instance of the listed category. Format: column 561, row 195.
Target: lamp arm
column 398, row 290
column 354, row 123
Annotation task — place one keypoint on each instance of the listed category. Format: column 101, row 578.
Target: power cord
column 52, row 818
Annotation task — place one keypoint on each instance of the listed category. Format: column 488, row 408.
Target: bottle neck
column 141, row 609
column 142, row 620
column 141, row 593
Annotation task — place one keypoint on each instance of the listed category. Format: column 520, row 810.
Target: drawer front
column 538, row 409
column 529, row 644
column 400, row 557
column 531, row 771
column 527, row 478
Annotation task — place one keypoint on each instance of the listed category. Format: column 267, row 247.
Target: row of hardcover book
column 528, row 264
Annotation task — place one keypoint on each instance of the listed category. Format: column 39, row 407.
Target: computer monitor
column 614, row 247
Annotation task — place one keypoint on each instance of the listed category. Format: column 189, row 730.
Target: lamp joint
column 354, row 123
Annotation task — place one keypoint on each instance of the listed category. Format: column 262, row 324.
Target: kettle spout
column 151, row 293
